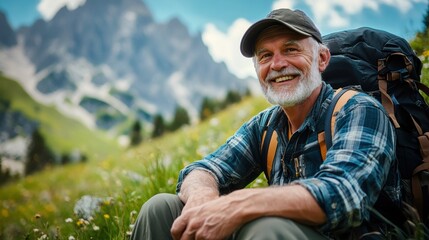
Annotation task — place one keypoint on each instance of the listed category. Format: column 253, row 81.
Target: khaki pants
column 158, row 213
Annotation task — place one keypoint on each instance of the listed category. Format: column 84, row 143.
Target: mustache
column 272, row 74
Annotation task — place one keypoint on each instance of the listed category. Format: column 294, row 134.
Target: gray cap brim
column 248, row 41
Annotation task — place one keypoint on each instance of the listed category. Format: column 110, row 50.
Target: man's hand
column 212, row 220
column 219, row 218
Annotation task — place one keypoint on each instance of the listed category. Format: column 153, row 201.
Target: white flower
column 69, row 220
column 44, row 236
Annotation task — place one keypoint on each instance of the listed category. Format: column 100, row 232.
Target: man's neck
column 297, row 114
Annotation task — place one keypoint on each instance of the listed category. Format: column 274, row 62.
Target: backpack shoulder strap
column 269, row 135
column 268, row 147
column 341, row 97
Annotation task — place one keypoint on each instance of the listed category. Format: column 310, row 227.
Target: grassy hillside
column 61, row 133
column 43, row 204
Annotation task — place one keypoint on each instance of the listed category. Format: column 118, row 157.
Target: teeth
column 284, row 78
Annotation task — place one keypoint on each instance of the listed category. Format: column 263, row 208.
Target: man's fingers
column 177, row 229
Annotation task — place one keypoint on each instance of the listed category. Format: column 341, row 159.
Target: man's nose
column 279, row 62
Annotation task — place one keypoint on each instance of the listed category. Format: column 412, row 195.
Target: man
column 308, row 198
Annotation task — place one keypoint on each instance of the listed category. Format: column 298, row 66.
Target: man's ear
column 324, row 57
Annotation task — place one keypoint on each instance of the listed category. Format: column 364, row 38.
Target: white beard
column 287, row 97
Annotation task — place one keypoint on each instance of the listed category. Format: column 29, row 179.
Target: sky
column 223, row 22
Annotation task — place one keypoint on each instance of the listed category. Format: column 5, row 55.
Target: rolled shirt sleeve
column 236, row 163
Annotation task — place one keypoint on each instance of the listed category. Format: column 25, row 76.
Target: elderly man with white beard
column 308, row 197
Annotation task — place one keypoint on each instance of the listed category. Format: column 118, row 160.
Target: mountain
column 20, row 116
column 7, row 35
column 108, row 60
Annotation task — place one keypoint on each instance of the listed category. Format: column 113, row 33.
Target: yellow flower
column 106, row 202
column 5, row 212
column 106, row 216
column 80, row 222
column 426, row 53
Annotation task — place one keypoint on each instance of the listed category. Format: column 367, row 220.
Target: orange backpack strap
column 341, row 97
column 269, row 148
column 269, row 136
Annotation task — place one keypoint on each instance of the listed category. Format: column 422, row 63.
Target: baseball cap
column 296, row 20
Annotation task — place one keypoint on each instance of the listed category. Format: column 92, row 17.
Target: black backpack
column 385, row 66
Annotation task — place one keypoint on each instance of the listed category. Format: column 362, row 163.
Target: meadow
column 100, row 199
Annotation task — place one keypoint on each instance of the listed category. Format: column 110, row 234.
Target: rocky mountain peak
column 109, row 59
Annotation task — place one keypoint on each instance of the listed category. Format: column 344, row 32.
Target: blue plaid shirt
column 357, row 166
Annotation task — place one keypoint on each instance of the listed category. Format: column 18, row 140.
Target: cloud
column 48, row 8
column 283, row 4
column 334, row 14
column 337, row 13
column 226, row 47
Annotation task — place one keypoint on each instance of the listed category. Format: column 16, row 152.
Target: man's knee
column 156, row 217
column 276, row 228
column 160, row 204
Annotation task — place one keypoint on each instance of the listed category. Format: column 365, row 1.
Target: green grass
column 65, row 134
column 43, row 203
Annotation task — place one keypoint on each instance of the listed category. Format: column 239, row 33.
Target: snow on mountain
column 108, row 60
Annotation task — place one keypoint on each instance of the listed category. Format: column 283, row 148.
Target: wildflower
column 80, row 222
column 171, row 181
column 4, row 212
column 71, row 238
column 36, row 230
column 106, row 216
column 106, row 202
column 95, row 228
column 44, row 236
column 69, row 220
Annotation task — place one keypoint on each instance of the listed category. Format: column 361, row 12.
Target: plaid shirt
column 356, row 168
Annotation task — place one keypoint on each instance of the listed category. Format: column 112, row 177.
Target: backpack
column 384, row 66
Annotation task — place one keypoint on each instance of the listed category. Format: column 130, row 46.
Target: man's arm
column 291, row 201
column 198, row 187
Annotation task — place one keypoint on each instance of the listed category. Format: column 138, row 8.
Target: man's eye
column 289, row 50
column 264, row 56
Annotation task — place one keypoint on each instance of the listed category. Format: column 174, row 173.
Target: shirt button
column 334, row 205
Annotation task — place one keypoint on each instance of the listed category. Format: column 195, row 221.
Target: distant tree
column 209, row 106
column 247, row 93
column 4, row 175
column 232, row 97
column 65, row 158
column 181, row 118
column 158, row 126
column 426, row 20
column 135, row 134
column 38, row 154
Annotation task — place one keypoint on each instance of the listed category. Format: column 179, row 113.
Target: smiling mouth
column 283, row 78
